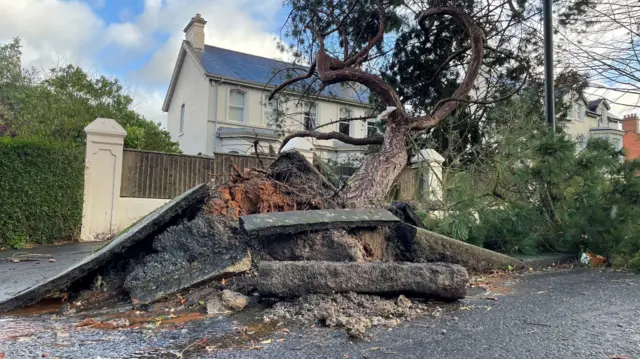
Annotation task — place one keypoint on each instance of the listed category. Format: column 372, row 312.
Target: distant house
column 631, row 140
column 217, row 102
column 588, row 119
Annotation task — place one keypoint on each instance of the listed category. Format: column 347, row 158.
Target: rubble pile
column 352, row 311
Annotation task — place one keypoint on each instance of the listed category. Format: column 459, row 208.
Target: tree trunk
column 373, row 180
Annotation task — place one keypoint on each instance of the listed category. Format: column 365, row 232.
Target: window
column 236, row 105
column 182, row 119
column 581, row 110
column 272, row 111
column 344, row 126
column 310, row 117
column 582, row 143
column 372, row 130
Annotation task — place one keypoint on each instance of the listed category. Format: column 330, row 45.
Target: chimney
column 194, row 32
column 630, row 123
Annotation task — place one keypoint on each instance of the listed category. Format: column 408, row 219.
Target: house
column 587, row 119
column 217, row 102
column 631, row 139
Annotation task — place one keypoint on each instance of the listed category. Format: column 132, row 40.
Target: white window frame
column 182, row 111
column 348, row 123
column 269, row 107
column 244, row 105
column 581, row 112
column 373, row 124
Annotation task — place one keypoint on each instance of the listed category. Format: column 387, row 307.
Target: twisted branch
column 377, row 140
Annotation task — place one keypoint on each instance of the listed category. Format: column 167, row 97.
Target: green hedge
column 40, row 191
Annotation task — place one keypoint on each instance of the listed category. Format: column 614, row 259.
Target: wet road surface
column 578, row 313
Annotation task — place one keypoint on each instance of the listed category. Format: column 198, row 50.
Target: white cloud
column 157, row 71
column 148, row 103
column 124, row 34
column 51, row 29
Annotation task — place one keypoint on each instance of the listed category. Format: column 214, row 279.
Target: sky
column 136, row 41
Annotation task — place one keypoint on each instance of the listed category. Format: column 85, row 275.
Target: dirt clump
column 290, row 183
column 331, row 245
column 352, row 311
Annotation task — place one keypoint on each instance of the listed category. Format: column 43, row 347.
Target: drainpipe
column 215, row 113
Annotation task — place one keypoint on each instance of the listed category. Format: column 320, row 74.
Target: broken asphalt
column 577, row 313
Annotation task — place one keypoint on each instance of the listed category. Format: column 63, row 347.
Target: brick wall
column 631, row 139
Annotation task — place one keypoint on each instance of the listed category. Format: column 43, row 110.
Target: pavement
column 574, row 313
column 16, row 277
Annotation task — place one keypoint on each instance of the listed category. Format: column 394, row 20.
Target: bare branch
column 333, row 136
column 283, row 85
column 361, row 118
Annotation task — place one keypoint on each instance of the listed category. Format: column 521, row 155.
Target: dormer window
column 581, row 112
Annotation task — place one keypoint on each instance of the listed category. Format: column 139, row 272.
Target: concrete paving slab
column 17, row 277
column 148, row 227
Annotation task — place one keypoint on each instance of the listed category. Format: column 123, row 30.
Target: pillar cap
column 105, row 126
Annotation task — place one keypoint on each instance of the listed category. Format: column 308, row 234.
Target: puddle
column 47, row 306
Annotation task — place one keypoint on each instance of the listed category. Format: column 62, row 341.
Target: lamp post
column 548, row 65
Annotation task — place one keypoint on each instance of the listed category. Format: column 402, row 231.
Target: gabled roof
column 245, row 68
column 593, row 105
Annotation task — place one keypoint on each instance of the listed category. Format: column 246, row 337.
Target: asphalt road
column 16, row 277
column 578, row 313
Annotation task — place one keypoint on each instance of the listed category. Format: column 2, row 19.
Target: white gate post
column 102, row 178
column 432, row 177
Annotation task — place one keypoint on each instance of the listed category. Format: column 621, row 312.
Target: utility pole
column 548, row 66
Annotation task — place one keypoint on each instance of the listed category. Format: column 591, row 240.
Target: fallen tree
column 375, row 177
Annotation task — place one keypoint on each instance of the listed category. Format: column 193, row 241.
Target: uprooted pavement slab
column 138, row 235
column 421, row 245
column 428, row 280
column 188, row 254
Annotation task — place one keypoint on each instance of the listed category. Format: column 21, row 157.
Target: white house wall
column 192, row 90
column 256, row 115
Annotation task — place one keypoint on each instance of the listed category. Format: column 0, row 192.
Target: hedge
column 41, row 189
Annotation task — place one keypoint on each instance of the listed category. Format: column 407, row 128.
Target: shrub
column 41, row 191
column 535, row 191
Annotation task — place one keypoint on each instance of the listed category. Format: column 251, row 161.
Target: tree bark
column 374, row 179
